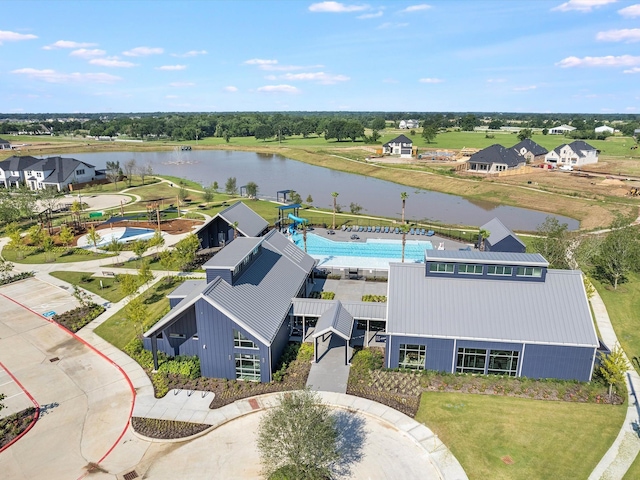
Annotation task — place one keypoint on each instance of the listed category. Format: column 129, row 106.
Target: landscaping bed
column 14, row 425
column 77, row 318
column 16, row 278
column 166, row 429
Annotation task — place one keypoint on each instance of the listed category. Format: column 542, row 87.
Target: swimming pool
column 122, row 235
column 374, row 253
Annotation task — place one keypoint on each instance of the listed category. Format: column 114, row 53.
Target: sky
column 573, row 56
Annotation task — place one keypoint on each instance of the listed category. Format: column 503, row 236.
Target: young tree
column 47, row 246
column 335, row 202
column 613, row 368
column 113, row 172
column 182, row 194
column 139, row 247
column 208, row 194
column 145, row 275
column 65, row 235
column 167, row 260
column 129, row 284
column 618, row 253
column 403, row 197
column 145, row 171
column 227, row 136
column 81, row 296
column 137, row 312
column 185, row 251
column 13, row 232
column 552, row 241
column 116, row 247
column 231, row 187
column 355, row 208
column 215, row 187
column 157, row 240
column 129, row 168
column 5, row 269
column 36, row 235
column 252, row 189
column 299, row 437
column 49, row 198
column 309, row 199
column 94, row 237
column 482, row 235
column 295, row 197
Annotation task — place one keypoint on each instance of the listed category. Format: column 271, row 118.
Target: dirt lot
column 173, row 227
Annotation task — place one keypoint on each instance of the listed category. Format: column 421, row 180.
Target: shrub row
column 16, row 277
column 374, row 298
column 166, row 429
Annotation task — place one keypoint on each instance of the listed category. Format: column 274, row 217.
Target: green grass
column 634, row 471
column 55, row 256
column 623, row 306
column 110, row 288
column 119, row 331
column 546, row 440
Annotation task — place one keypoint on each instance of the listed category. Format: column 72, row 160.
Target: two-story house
column 401, row 145
column 575, row 154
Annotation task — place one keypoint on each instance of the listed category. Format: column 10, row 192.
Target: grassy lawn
column 634, row 471
column 55, row 256
column 623, row 306
column 110, row 289
column 119, row 331
column 545, row 439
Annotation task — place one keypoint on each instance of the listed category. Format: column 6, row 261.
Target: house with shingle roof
column 530, row 150
column 575, row 154
column 50, row 172
column 494, row 159
column 401, row 145
column 4, row 144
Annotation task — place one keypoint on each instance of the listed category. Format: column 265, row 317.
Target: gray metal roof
column 186, row 287
column 289, row 249
column 555, row 311
column 312, row 307
column 61, row 168
column 250, row 224
column 498, row 232
column 491, row 258
column 233, row 253
column 335, row 319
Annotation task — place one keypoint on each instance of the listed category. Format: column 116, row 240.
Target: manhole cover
column 54, row 359
column 131, row 475
column 506, row 459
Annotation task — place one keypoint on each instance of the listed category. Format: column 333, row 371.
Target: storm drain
column 55, row 359
column 131, row 475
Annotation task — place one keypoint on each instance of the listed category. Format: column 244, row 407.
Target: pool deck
column 344, row 236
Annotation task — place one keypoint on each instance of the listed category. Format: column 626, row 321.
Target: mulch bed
column 77, row 318
column 174, row 227
column 166, row 429
column 14, row 425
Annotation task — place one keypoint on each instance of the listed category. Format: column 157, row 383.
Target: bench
column 108, row 274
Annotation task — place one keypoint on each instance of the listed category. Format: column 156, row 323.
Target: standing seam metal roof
column 498, row 232
column 336, row 319
column 250, row 224
column 487, row 258
column 314, row 307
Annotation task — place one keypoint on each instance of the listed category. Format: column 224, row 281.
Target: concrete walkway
column 330, row 373
column 626, row 446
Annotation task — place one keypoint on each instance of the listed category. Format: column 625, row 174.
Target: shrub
column 160, row 384
column 374, row 298
column 16, row 277
column 186, row 366
column 77, row 318
column 305, row 353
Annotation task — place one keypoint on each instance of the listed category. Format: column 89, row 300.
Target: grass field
column 545, row 440
column 55, row 256
column 634, row 472
column 110, row 289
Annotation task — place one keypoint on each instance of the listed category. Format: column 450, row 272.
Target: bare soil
column 173, row 227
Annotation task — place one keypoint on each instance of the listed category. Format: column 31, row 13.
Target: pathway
column 329, row 373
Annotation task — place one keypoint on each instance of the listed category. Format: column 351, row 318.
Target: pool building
column 493, row 312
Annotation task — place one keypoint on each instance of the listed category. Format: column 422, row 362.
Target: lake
column 274, row 172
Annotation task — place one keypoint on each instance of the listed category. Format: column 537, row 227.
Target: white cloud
column 272, row 65
column 366, row 16
column 170, row 68
column 392, row 25
column 143, row 51
column 632, row 70
column 524, row 89
column 608, row 61
column 86, row 53
column 631, row 12
column 68, row 44
column 181, row 84
column 336, row 7
column 623, row 35
column 190, row 53
column 260, row 61
column 431, row 80
column 230, row 88
column 631, row 109
column 278, row 89
column 6, row 36
column 270, row 77
column 111, row 62
column 320, row 77
column 416, row 8
column 582, row 5
column 51, row 76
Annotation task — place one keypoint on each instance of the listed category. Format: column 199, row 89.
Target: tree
column 145, row 275
column 618, row 253
column 231, row 187
column 113, row 172
column 299, row 437
column 167, row 260
column 375, row 135
column 482, row 235
column 76, row 210
column 47, row 246
column 137, row 312
column 404, row 228
column 208, row 194
column 157, row 240
column 129, row 168
column 403, row 197
column 262, row 132
column 182, row 194
column 378, row 123
column 145, row 171
column 116, row 247
column 94, row 237
column 469, row 122
column 525, row 133
column 83, row 298
column 129, row 284
column 429, row 132
column 5, row 269
column 185, row 251
column 552, row 241
column 2, row 397
column 65, row 235
column 613, row 368
column 355, row 208
column 335, row 199
column 13, row 232
column 227, row 136
column 215, row 186
column 495, row 124
column 295, row 197
column 139, row 247
column 49, row 198
column 309, row 199
column 545, row 131
column 252, row 189
column 36, row 235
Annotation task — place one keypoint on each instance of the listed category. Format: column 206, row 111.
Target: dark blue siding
column 279, row 343
column 484, row 275
column 439, row 351
column 551, row 361
column 223, row 273
column 179, row 346
column 209, row 234
column 174, row 301
column 507, row 244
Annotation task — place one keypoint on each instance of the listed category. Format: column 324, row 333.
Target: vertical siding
column 439, row 351
column 174, row 301
column 223, row 273
column 508, row 244
column 551, row 361
column 278, row 345
column 179, row 346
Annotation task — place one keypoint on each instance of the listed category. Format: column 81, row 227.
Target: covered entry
column 336, row 321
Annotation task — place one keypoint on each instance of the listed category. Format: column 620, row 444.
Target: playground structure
column 287, row 213
column 296, row 221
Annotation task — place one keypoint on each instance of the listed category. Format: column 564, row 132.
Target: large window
column 471, row 360
column 499, row 270
column 441, row 267
column 247, row 367
column 412, row 356
column 239, row 340
column 467, row 269
column 529, row 272
column 503, row 362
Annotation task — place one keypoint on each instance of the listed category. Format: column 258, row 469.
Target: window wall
column 412, row 356
column 239, row 340
column 247, row 367
column 497, row 362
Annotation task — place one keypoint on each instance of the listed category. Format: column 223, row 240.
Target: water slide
column 296, row 221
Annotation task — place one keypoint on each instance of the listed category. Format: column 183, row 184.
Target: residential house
column 220, row 230
column 4, row 144
column 561, row 130
column 12, row 170
column 605, row 129
column 409, row 124
column 494, row 159
column 575, row 154
column 400, row 145
column 530, row 150
column 501, row 239
column 51, row 172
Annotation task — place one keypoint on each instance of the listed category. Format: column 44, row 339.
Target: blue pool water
column 373, row 248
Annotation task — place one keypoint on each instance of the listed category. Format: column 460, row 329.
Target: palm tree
column 304, row 235
column 404, row 228
column 234, row 225
column 335, row 196
column 482, row 234
column 403, row 196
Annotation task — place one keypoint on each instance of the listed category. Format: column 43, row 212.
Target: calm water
column 274, row 172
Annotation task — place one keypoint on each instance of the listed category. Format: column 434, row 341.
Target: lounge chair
column 369, row 228
column 349, row 228
column 344, row 227
column 397, row 230
column 386, row 229
column 360, row 228
column 377, row 229
column 422, row 232
column 412, row 231
column 430, row 233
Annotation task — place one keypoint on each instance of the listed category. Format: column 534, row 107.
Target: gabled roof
column 234, row 253
column 497, row 154
column 3, row 141
column 555, row 311
column 486, row 258
column 531, row 147
column 186, row 287
column 399, row 139
column 335, row 319
column 250, row 224
column 61, row 168
column 580, row 146
column 568, row 128
column 498, row 232
column 16, row 163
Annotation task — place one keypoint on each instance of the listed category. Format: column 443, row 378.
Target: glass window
column 471, row 360
column 467, row 269
column 529, row 272
column 412, row 356
column 239, row 340
column 80, row 172
column 247, row 367
column 441, row 267
column 177, row 335
column 499, row 270
column 503, row 362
